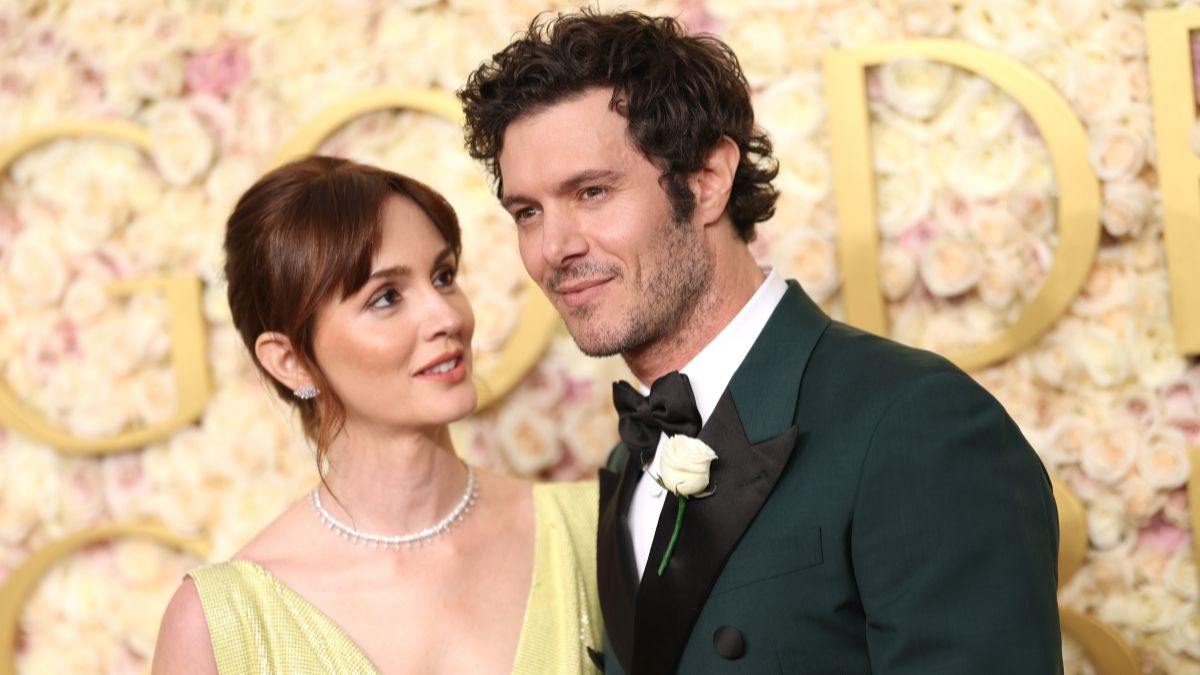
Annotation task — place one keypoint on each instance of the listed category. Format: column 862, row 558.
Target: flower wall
column 966, row 196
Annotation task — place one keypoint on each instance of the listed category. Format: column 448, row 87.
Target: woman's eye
column 387, row 299
column 446, row 277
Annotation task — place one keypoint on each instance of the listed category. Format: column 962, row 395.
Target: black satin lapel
column 614, row 559
column 743, row 476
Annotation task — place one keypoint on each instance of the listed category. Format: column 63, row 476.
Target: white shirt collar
column 710, row 371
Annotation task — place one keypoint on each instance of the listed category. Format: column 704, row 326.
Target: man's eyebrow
column 569, row 184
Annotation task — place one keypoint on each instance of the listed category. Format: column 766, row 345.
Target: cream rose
column 1106, row 523
column 792, row 108
column 1051, row 59
column 685, row 464
column 1163, row 460
column 988, row 170
column 805, row 172
column 1181, row 575
column 915, row 87
column 36, row 264
column 1127, row 205
column 1117, row 154
column 903, row 199
column 812, row 259
column 1104, row 356
column 950, row 267
column 897, row 271
column 528, row 440
column 1110, row 453
column 1000, row 279
column 926, row 18
column 181, row 147
column 1065, row 439
column 1124, row 31
column 893, row 149
column 858, row 24
column 991, row 24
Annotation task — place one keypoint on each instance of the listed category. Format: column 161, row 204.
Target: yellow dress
column 259, row 625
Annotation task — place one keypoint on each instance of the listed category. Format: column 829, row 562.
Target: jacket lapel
column 752, row 432
column 615, row 567
column 743, row 476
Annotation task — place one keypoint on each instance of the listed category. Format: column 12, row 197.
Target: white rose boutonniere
column 685, row 467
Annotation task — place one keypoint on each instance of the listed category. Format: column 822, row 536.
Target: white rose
column 591, row 430
column 902, row 199
column 36, row 264
column 812, row 260
column 805, row 172
column 915, row 87
column 1117, row 154
column 1163, row 460
column 897, row 271
column 1155, row 609
column 1181, row 574
column 1104, row 356
column 1126, row 207
column 792, row 108
column 1124, row 32
column 858, row 24
column 156, row 73
column 1065, row 439
column 1142, row 500
column 1066, row 15
column 988, row 170
column 983, row 112
column 181, row 147
column 528, row 439
column 1109, row 285
column 1051, row 59
column 685, row 465
column 1106, row 523
column 1155, row 359
column 1185, row 635
column 1000, row 279
column 893, row 149
column 950, row 267
column 991, row 24
column 926, row 18
column 1110, row 453
column 495, row 318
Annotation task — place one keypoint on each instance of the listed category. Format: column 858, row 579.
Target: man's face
column 595, row 227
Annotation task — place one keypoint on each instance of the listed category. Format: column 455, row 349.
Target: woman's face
column 398, row 351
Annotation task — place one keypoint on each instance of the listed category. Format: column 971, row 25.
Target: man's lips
column 578, row 293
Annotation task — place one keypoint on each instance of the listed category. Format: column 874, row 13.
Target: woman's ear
column 714, row 181
column 279, row 358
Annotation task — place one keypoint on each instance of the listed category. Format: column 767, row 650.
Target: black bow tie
column 670, row 408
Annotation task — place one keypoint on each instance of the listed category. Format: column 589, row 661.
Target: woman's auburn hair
column 303, row 234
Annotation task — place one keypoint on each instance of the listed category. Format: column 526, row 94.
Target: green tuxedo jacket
column 876, row 511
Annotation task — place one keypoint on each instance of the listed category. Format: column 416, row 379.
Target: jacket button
column 729, row 643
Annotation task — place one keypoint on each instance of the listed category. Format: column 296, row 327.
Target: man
column 873, row 510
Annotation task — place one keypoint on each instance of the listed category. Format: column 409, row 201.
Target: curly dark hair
column 681, row 93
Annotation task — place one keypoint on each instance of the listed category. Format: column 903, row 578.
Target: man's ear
column 279, row 358
column 713, row 182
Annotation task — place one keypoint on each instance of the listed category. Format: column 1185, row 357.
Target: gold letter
column 21, row 583
column 858, row 236
column 1168, row 34
column 189, row 356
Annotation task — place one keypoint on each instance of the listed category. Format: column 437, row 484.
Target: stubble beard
column 664, row 297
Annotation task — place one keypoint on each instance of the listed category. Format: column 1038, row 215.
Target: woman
column 404, row 559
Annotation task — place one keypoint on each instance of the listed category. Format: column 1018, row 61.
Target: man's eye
column 592, row 192
column 524, row 214
column 387, row 299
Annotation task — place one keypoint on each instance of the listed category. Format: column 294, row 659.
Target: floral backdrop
column 966, row 197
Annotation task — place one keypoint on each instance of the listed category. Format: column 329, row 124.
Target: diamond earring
column 307, row 392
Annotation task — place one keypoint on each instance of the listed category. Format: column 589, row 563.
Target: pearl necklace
column 397, row 540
